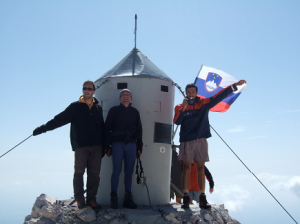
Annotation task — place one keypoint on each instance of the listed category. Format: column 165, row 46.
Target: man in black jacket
column 86, row 136
column 123, row 130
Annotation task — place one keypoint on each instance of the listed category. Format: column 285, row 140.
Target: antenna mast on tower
column 135, row 31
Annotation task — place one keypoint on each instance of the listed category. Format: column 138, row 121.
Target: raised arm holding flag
column 210, row 81
column 192, row 115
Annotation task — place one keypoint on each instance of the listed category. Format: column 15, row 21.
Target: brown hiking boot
column 186, row 201
column 94, row 205
column 81, row 204
column 203, row 202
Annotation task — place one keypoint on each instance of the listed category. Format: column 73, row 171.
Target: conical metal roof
column 136, row 64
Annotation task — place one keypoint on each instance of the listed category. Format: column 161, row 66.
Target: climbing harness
column 139, row 174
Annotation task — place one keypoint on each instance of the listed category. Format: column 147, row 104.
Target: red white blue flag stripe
column 210, row 81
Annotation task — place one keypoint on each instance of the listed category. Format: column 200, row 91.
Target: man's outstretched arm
column 217, row 98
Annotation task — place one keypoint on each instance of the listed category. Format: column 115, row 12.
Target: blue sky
column 48, row 48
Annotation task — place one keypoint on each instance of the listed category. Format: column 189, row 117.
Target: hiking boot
column 203, row 202
column 186, row 201
column 81, row 204
column 94, row 205
column 128, row 201
column 114, row 200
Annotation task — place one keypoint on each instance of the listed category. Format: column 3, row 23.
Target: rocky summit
column 49, row 210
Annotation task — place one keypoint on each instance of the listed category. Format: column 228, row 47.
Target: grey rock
column 194, row 218
column 50, row 210
column 44, row 207
column 219, row 219
column 208, row 217
column 201, row 222
column 86, row 214
column 170, row 217
column 161, row 220
column 41, row 201
column 28, row 217
column 222, row 206
column 31, row 221
column 108, row 217
column 45, row 221
column 142, row 216
column 118, row 221
column 34, row 214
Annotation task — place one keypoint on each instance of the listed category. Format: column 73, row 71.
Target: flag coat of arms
column 210, row 81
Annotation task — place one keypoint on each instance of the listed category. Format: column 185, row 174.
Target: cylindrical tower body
column 153, row 96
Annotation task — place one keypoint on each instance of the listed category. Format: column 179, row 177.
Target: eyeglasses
column 89, row 89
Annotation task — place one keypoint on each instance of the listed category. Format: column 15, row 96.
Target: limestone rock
column 170, row 217
column 194, row 218
column 44, row 207
column 50, row 210
column 142, row 216
column 118, row 221
column 208, row 217
column 42, row 201
column 86, row 214
column 108, row 217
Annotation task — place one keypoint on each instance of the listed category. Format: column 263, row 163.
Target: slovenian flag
column 210, row 81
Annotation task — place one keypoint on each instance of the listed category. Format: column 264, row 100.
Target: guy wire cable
column 16, row 146
column 253, row 174
column 175, row 84
column 106, row 80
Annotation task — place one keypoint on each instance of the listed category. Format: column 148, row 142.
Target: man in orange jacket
column 192, row 116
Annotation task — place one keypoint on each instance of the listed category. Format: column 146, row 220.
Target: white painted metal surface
column 154, row 105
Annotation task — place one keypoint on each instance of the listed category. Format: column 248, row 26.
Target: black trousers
column 89, row 158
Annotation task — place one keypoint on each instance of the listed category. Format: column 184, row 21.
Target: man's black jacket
column 86, row 125
column 123, row 124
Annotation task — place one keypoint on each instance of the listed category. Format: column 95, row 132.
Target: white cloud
column 288, row 111
column 23, row 183
column 236, row 130
column 234, row 196
column 281, row 183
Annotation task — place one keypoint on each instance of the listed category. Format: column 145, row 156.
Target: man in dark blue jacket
column 194, row 131
column 123, row 131
column 86, row 135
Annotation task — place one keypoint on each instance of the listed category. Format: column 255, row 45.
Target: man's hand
column 211, row 190
column 241, row 82
column 107, row 150
column 39, row 130
column 184, row 104
column 138, row 153
column 108, row 153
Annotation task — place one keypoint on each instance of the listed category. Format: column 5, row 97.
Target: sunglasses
column 89, row 89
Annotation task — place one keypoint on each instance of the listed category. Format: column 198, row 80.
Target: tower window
column 164, row 88
column 122, row 85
